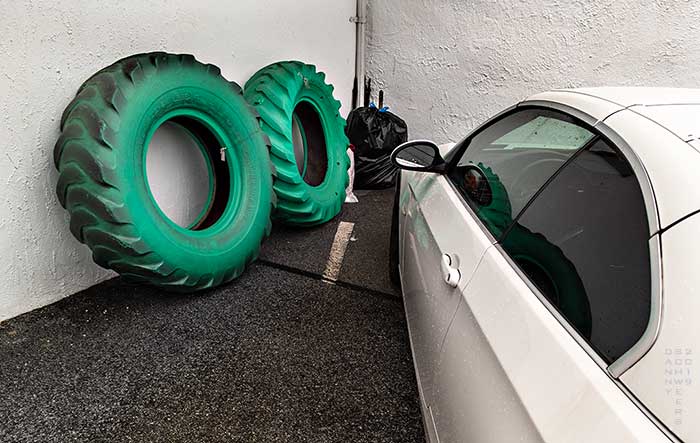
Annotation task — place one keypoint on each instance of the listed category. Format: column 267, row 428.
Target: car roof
column 630, row 96
column 676, row 109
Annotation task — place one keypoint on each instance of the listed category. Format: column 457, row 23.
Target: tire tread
column 86, row 188
column 272, row 91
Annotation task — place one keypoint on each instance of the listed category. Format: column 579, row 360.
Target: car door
column 433, row 217
column 442, row 233
column 564, row 293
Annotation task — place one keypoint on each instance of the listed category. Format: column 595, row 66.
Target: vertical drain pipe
column 360, row 20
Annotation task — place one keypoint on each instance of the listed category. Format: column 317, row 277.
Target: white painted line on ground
column 340, row 244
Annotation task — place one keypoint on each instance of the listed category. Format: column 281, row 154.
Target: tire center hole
column 185, row 174
column 309, row 144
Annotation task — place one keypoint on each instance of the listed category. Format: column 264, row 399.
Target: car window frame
column 604, row 132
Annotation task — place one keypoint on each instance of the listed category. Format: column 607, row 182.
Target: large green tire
column 100, row 157
column 310, row 187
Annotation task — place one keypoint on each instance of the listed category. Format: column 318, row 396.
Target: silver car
column 550, row 270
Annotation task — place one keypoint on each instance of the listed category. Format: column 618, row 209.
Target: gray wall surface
column 49, row 48
column 446, row 65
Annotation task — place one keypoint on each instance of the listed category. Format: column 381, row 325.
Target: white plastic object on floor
column 350, row 197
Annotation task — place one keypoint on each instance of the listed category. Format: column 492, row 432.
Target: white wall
column 48, row 48
column 446, row 65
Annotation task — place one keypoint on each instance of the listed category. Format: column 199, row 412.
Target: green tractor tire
column 101, row 162
column 308, row 142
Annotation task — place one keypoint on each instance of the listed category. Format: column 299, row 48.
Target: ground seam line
column 342, row 284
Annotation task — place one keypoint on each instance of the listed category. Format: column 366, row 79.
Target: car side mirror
column 418, row 155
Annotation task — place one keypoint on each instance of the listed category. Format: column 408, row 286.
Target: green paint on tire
column 313, row 193
column 100, row 157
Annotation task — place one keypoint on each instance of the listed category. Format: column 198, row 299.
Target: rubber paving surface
column 277, row 356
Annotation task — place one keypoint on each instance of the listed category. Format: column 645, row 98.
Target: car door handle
column 450, row 273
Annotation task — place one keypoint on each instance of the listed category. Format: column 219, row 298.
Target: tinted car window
column 505, row 164
column 583, row 241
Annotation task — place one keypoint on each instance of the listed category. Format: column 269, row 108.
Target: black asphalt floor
column 279, row 355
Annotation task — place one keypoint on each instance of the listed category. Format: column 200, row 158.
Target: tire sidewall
column 241, row 228
column 336, row 142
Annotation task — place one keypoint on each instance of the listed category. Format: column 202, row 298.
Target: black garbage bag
column 375, row 133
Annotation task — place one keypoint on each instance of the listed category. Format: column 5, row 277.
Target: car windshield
column 543, row 133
